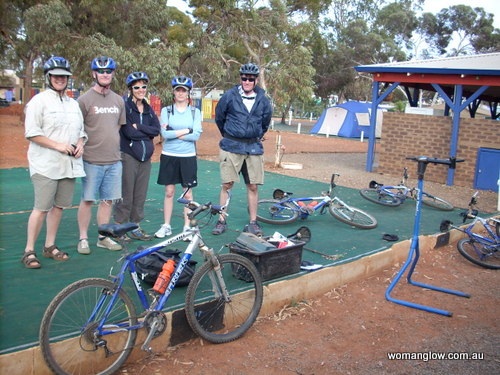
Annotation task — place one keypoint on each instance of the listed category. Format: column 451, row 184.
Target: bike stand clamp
column 414, row 252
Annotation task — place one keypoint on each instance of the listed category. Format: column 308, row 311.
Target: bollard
column 298, row 128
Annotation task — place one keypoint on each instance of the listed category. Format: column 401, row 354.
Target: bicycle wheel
column 376, row 196
column 478, row 253
column 272, row 211
column 69, row 339
column 435, row 202
column 352, row 216
column 213, row 317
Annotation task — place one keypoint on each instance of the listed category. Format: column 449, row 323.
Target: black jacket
column 139, row 142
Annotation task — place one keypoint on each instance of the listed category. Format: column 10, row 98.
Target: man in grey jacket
column 243, row 115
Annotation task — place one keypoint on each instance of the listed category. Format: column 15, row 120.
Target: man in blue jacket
column 243, row 115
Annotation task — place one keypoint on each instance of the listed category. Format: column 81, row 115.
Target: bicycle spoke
column 71, row 344
column 221, row 318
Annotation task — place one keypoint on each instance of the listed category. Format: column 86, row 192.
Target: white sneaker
column 108, row 243
column 165, row 230
column 190, row 238
column 83, row 247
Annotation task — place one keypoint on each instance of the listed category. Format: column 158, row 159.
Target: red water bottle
column 164, row 276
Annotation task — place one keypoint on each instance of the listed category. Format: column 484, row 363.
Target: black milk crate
column 273, row 263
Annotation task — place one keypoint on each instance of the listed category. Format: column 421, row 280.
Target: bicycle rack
column 414, row 252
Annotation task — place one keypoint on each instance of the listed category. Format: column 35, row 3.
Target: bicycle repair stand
column 414, row 252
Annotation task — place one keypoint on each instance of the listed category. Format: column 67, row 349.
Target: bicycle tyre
column 352, row 216
column 477, row 253
column 376, row 196
column 273, row 211
column 436, row 202
column 67, row 338
column 214, row 319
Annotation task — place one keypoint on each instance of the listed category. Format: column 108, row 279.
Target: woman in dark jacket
column 137, row 147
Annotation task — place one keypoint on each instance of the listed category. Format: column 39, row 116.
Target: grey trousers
column 135, row 181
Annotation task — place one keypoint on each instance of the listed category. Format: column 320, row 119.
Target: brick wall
column 413, row 135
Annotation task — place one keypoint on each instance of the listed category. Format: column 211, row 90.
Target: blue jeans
column 102, row 182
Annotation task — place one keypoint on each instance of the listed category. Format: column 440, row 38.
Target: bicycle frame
column 401, row 191
column 128, row 266
column 324, row 201
column 490, row 239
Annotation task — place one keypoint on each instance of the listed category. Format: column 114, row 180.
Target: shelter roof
column 469, row 71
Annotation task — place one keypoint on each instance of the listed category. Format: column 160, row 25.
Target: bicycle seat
column 116, row 230
column 280, row 194
column 374, row 184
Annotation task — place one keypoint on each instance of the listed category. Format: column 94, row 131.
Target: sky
column 432, row 6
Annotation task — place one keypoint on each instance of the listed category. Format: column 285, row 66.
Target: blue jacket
column 139, row 142
column 241, row 130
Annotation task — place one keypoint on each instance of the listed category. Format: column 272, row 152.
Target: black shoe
column 254, row 228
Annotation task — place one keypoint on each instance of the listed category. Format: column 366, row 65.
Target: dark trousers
column 135, row 181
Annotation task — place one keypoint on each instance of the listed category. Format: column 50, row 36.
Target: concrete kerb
column 276, row 295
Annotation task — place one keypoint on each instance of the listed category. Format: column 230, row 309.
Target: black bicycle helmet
column 182, row 81
column 57, row 66
column 103, row 62
column 250, row 69
column 136, row 76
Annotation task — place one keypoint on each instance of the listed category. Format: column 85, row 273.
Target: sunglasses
column 140, row 87
column 244, row 79
column 104, row 71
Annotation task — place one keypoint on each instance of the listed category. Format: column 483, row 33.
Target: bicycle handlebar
column 196, row 207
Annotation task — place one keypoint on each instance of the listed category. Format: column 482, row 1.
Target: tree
column 459, row 30
column 233, row 33
column 29, row 30
column 356, row 33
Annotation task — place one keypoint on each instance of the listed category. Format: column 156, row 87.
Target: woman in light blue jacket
column 180, row 129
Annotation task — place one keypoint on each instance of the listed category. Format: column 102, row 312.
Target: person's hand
column 78, row 150
column 65, row 148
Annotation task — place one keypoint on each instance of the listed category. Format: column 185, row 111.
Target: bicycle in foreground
column 91, row 326
column 395, row 195
column 482, row 244
column 284, row 209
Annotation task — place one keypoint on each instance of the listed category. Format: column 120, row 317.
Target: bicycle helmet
column 182, row 81
column 58, row 66
column 136, row 76
column 103, row 62
column 250, row 69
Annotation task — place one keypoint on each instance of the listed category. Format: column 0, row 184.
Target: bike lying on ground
column 482, row 244
column 283, row 209
column 91, row 326
column 395, row 195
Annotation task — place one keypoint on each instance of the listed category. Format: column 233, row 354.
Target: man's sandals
column 48, row 252
column 30, row 262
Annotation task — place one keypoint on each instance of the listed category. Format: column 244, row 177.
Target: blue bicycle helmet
column 250, row 69
column 182, row 81
column 103, row 62
column 57, row 66
column 136, row 76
